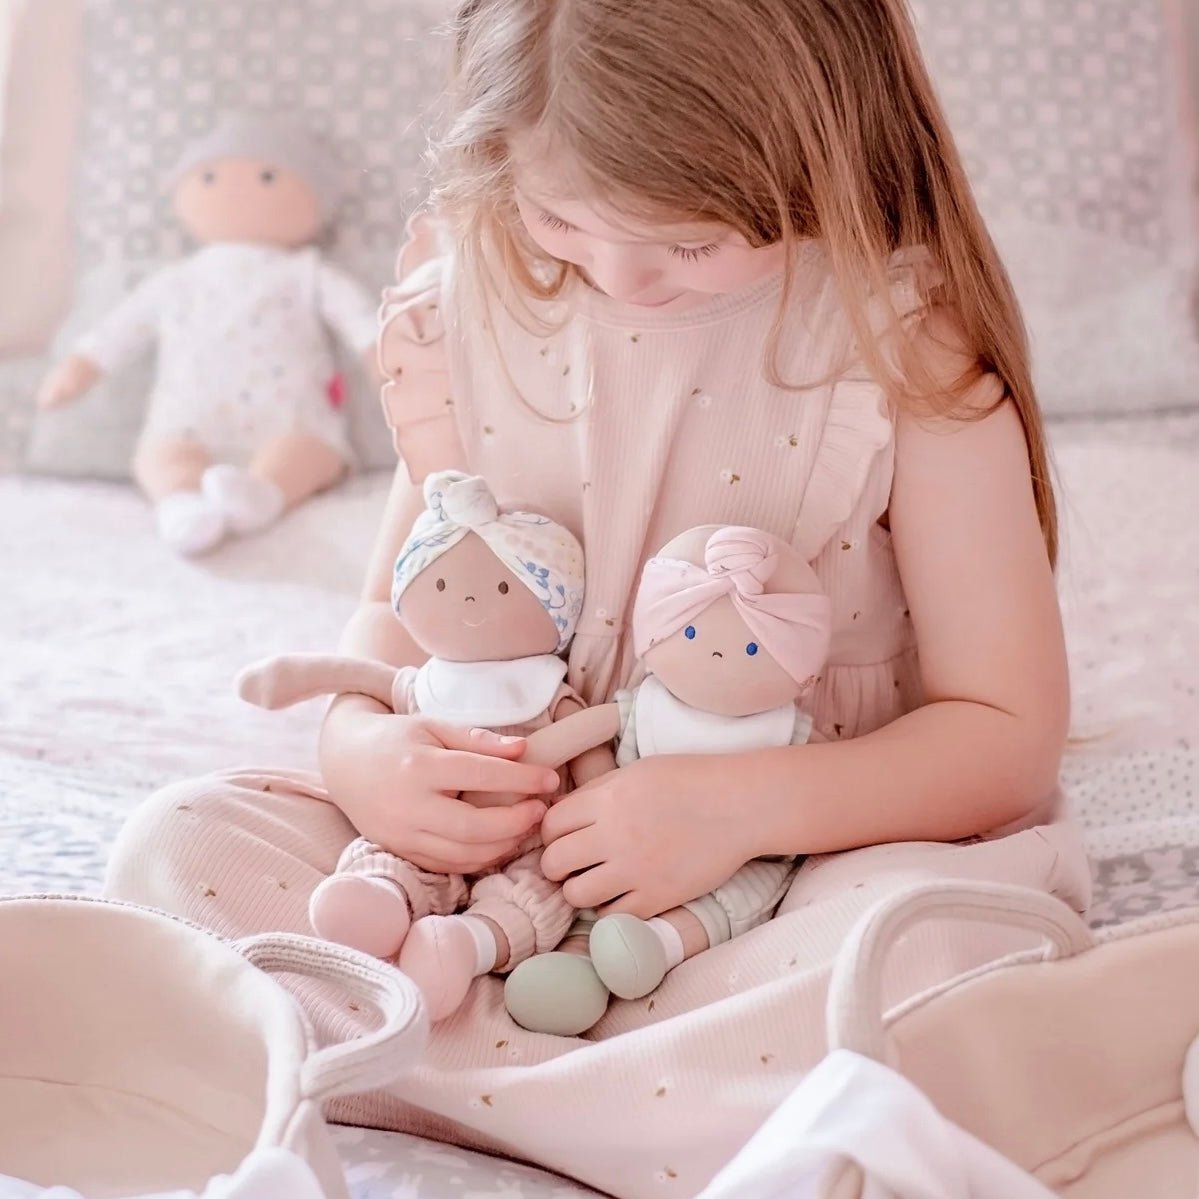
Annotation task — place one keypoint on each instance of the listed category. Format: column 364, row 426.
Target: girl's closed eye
column 555, row 222
column 694, row 253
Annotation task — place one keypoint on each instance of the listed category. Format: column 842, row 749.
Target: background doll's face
column 715, row 665
column 469, row 607
column 247, row 200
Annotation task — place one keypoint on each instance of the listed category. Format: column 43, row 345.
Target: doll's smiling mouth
column 474, row 624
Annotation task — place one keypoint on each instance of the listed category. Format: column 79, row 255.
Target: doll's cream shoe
column 190, row 523
column 556, row 993
column 628, row 956
column 249, row 504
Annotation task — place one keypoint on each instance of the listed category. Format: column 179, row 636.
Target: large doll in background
column 245, row 418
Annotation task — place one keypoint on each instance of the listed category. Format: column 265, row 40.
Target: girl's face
column 649, row 266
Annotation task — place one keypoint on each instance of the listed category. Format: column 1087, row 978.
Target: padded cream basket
column 140, row 1055
column 1069, row 1071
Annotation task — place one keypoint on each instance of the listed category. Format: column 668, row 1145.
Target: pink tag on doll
column 335, row 389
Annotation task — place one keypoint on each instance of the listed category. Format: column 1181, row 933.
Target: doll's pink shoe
column 441, row 956
column 370, row 914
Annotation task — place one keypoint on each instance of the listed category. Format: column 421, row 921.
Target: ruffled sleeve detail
column 856, row 450
column 858, row 437
column 416, row 397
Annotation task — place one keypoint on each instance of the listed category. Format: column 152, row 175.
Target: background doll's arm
column 131, row 328
column 348, row 308
column 123, row 336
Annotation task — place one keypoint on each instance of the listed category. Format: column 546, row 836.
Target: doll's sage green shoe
column 627, row 956
column 556, row 993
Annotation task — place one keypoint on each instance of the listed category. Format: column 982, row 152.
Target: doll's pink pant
column 528, row 908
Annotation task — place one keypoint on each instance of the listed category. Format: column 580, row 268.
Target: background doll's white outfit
column 653, row 721
column 243, row 352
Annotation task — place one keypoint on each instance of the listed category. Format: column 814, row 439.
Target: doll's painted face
column 247, row 200
column 715, row 665
column 469, row 607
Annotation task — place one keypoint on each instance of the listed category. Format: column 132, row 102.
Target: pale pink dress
column 647, row 423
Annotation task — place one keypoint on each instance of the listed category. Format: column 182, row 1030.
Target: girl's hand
column 397, row 778
column 650, row 836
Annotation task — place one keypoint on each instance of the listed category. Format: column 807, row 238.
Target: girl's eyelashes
column 694, row 253
column 554, row 222
column 685, row 253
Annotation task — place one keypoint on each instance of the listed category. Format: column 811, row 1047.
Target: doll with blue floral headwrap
column 493, row 597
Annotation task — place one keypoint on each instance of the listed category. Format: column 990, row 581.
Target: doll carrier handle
column 375, row 1059
column 855, row 998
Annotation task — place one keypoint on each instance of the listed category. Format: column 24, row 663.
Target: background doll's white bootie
column 248, row 504
column 190, row 523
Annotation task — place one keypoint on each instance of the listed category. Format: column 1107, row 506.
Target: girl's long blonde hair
column 782, row 119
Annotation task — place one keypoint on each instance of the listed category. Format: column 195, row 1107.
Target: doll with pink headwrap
column 732, row 628
column 493, row 597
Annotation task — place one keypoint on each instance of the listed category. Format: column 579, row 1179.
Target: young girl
column 695, row 262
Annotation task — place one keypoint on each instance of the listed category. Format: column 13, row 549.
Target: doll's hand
column 67, row 381
column 649, row 836
column 397, row 779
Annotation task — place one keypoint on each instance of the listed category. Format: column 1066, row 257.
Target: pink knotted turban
column 793, row 627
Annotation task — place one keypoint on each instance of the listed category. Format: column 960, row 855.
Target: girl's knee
column 172, row 822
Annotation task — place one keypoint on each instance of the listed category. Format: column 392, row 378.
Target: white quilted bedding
column 116, row 662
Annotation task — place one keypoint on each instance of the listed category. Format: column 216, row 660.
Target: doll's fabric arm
column 131, row 328
column 293, row 678
column 571, row 737
column 346, row 307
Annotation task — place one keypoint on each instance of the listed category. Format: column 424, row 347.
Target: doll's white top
column 244, row 353
column 653, row 721
column 488, row 695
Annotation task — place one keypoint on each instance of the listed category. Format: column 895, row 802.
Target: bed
column 118, row 661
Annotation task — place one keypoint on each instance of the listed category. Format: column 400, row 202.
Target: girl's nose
column 622, row 272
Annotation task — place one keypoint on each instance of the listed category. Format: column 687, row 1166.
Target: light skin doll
column 493, row 598
column 245, row 419
column 732, row 628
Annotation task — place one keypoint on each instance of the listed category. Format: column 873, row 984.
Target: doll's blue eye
column 751, row 648
column 689, row 632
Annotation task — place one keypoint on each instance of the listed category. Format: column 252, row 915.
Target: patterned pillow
column 157, row 73
column 1070, row 115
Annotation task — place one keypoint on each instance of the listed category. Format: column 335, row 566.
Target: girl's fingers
column 579, row 851
column 576, row 811
column 463, row 824
column 634, row 903
column 459, row 770
column 477, row 741
column 595, row 888
column 457, row 858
